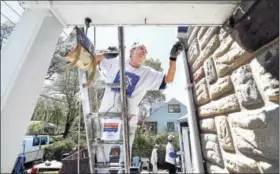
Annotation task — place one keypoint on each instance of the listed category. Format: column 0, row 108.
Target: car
column 47, row 167
column 32, row 147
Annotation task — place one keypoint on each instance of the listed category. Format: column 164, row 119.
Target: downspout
column 197, row 162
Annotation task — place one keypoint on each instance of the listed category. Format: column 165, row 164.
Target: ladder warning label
column 110, row 127
column 111, row 131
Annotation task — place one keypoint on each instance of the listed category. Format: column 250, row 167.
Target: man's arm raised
column 175, row 51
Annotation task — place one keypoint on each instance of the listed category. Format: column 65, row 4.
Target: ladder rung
column 100, row 142
column 103, row 85
column 110, row 114
column 105, row 115
column 108, row 168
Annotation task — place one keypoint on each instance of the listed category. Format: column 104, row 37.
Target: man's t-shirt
column 170, row 155
column 140, row 80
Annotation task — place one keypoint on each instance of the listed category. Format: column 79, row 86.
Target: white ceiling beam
column 112, row 13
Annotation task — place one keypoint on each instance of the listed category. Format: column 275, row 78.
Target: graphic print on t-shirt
column 131, row 80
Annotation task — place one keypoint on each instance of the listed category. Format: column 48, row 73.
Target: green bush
column 57, row 149
column 143, row 145
column 36, row 128
column 74, row 137
column 58, row 137
column 61, row 146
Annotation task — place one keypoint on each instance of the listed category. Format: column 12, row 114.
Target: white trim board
column 111, row 13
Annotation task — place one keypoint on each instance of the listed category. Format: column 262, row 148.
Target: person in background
column 170, row 156
column 154, row 159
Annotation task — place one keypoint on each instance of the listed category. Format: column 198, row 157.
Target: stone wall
column 236, row 95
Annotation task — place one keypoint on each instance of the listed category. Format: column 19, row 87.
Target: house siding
column 162, row 117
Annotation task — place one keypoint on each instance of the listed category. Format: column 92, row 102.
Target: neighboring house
column 163, row 117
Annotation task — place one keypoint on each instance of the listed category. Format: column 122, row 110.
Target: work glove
column 111, row 53
column 176, row 50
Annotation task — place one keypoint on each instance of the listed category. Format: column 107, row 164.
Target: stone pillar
column 236, row 93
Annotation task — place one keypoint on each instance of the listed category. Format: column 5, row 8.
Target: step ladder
column 93, row 119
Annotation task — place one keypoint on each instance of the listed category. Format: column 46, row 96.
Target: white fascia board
column 112, row 13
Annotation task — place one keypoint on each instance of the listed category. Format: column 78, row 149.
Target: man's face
column 138, row 55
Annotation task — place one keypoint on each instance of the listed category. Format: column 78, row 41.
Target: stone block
column 193, row 35
column 240, row 164
column 258, row 26
column 189, row 32
column 207, row 124
column 269, row 167
column 246, row 88
column 224, row 105
column 211, row 150
column 224, row 134
column 207, row 36
column 209, row 49
column 223, row 34
column 221, row 87
column 265, row 70
column 199, row 74
column 224, row 47
column 256, row 133
column 201, row 92
column 233, row 59
column 201, row 32
column 210, row 71
column 211, row 168
column 193, row 52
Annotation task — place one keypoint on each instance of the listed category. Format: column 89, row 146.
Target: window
column 152, row 127
column 52, row 140
column 36, row 141
column 174, row 108
column 170, row 126
column 44, row 140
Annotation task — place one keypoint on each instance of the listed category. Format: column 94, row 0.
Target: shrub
column 61, row 146
column 36, row 128
column 58, row 137
column 57, row 149
column 74, row 137
column 143, row 145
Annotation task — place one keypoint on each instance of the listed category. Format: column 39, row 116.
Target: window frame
column 43, row 140
column 38, row 143
column 153, row 123
column 168, row 126
column 171, row 108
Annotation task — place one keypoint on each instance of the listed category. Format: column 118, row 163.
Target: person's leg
column 173, row 169
column 132, row 130
column 168, row 167
column 155, row 169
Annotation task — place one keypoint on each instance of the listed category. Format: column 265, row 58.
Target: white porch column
column 24, row 63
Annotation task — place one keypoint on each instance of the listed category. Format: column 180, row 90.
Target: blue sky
column 158, row 40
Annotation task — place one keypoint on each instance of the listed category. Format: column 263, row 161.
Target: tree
column 6, row 30
column 58, row 61
column 154, row 63
column 49, row 110
column 153, row 96
column 66, row 88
